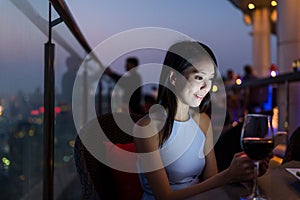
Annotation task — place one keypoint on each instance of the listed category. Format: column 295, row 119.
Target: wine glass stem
column 255, row 186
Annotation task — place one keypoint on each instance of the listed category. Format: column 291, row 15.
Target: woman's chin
column 195, row 105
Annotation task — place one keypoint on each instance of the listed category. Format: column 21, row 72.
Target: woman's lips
column 199, row 96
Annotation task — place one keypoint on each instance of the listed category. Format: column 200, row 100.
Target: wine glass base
column 252, row 197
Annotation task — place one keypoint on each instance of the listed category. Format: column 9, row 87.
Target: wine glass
column 257, row 141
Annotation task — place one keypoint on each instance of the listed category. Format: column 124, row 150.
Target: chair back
column 293, row 148
column 227, row 145
column 95, row 177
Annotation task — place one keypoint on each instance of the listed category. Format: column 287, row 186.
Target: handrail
column 28, row 10
column 62, row 9
column 282, row 78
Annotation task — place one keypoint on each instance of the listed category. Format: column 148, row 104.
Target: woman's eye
column 198, row 77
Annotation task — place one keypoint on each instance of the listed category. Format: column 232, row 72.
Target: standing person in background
column 248, row 73
column 130, row 80
column 232, row 96
column 65, row 130
column 68, row 79
column 175, row 143
column 231, row 77
column 254, row 96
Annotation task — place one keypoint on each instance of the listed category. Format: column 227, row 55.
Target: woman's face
column 196, row 83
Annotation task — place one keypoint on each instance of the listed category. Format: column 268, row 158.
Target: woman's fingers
column 242, row 167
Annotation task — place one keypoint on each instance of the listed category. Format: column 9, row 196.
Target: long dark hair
column 178, row 58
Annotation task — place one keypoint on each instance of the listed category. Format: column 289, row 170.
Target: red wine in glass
column 257, row 148
column 257, row 141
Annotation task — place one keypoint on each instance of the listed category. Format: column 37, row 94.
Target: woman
column 175, row 142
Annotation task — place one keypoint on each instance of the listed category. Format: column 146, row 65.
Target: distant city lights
column 274, row 3
column 273, row 70
column 71, row 143
column 5, row 161
column 214, row 88
column 296, row 65
column 20, row 134
column 251, row 6
column 238, row 81
column 39, row 111
column 35, row 112
column 22, row 177
column 31, row 132
column 273, row 73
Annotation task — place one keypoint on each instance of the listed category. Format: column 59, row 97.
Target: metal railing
column 282, row 79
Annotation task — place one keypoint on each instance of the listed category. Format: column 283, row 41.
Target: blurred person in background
column 254, row 97
column 233, row 103
column 131, row 79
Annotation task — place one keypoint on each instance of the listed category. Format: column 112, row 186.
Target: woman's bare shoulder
column 202, row 119
column 151, row 120
column 197, row 116
column 145, row 132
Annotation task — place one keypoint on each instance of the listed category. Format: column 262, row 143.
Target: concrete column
column 261, row 41
column 288, row 36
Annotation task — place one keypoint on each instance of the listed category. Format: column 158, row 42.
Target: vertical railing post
column 287, row 107
column 49, row 99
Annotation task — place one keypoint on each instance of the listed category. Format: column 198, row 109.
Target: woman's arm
column 147, row 141
column 241, row 168
column 211, row 168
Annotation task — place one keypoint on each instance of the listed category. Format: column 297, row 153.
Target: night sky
column 24, row 27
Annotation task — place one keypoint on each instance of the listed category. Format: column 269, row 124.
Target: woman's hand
column 241, row 168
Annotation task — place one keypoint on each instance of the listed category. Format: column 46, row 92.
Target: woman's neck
column 182, row 113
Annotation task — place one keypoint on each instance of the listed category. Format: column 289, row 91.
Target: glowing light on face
column 192, row 89
column 195, row 62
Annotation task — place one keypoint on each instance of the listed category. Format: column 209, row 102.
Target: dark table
column 277, row 183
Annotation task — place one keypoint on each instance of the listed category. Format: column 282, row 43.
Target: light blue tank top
column 182, row 155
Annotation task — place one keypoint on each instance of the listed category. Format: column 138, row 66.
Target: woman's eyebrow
column 203, row 72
